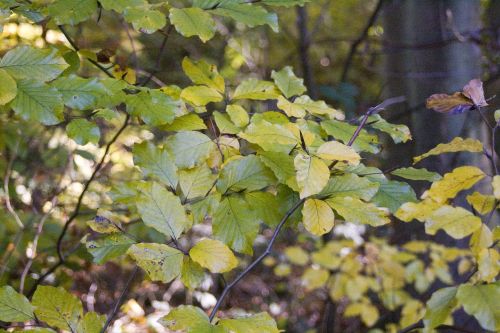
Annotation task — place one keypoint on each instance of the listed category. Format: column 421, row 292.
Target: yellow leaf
column 488, row 264
column 455, row 221
column 238, row 115
column 417, row 210
column 291, row 109
column 203, row 73
column 315, row 278
column 369, row 315
column 483, row 204
column 456, row 145
column 312, row 174
column 213, row 255
column 336, row 151
column 357, row 211
column 459, row 179
column 496, row 187
column 482, row 238
column 318, row 217
column 200, row 95
column 126, row 74
column 297, row 255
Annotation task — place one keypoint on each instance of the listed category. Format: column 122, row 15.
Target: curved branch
column 269, row 247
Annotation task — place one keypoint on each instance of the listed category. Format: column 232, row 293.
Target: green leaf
column 238, row 115
column 108, row 247
column 251, row 15
column 193, row 22
column 224, row 124
column 91, row 323
column 157, row 162
column 314, row 278
column 71, row 11
column 14, row 307
column 440, row 306
column 187, row 122
column 153, row 107
column 213, row 255
column 200, row 95
column 37, row 101
column 120, row 5
column 343, row 131
column 288, row 83
column 455, row 221
column 304, row 103
column 8, row 89
column 266, row 207
column 256, row 90
column 26, row 62
column 57, row 307
column 161, row 262
column 247, row 173
column 282, row 166
column 285, row 3
column 398, row 133
column 235, row 224
column 416, row 174
column 318, row 217
column 312, row 174
column 192, row 273
column 145, row 19
column 162, row 210
column 257, row 323
column 196, row 182
column 203, row 73
column 455, row 145
column 296, row 255
column 356, row 211
column 481, row 301
column 271, row 137
column 79, row 93
column 190, row 319
column 350, row 185
column 393, row 194
column 83, row 131
column 189, row 148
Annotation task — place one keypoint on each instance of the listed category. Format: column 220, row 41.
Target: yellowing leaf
column 482, row 238
column 455, row 221
column 204, row 74
column 336, row 151
column 314, row 278
column 455, row 145
column 483, row 204
column 459, row 179
column 187, row 318
column 161, row 262
column 200, row 95
column 14, row 307
column 350, row 185
column 496, row 187
column 318, row 217
column 317, row 107
column 440, row 306
column 213, row 255
column 193, row 22
column 288, row 83
column 196, row 182
column 189, row 148
column 57, row 307
column 238, row 115
column 312, row 174
column 8, row 88
column 356, row 211
column 481, row 301
column 291, row 109
column 488, row 264
column 256, row 89
column 296, row 255
column 192, row 273
column 417, row 210
column 282, row 166
column 257, row 323
column 271, row 137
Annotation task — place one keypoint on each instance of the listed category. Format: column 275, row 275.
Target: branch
column 6, row 180
column 119, row 301
column 76, row 211
column 269, row 247
column 359, row 40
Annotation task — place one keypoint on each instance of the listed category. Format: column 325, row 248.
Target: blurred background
column 351, row 53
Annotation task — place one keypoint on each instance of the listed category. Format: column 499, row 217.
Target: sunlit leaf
column 312, row 174
column 189, row 148
column 201, row 72
column 456, row 145
column 57, row 307
column 161, row 262
column 482, row 203
column 213, row 255
column 318, row 217
column 8, row 89
column 14, row 307
column 256, row 89
column 200, row 95
column 193, row 22
column 459, row 179
column 288, row 83
column 336, row 151
column 356, row 211
column 455, row 221
column 271, row 137
column 481, row 301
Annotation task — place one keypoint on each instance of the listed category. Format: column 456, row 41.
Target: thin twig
column 159, row 57
column 76, row 211
column 269, row 247
column 359, row 40
column 120, row 299
column 6, row 180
